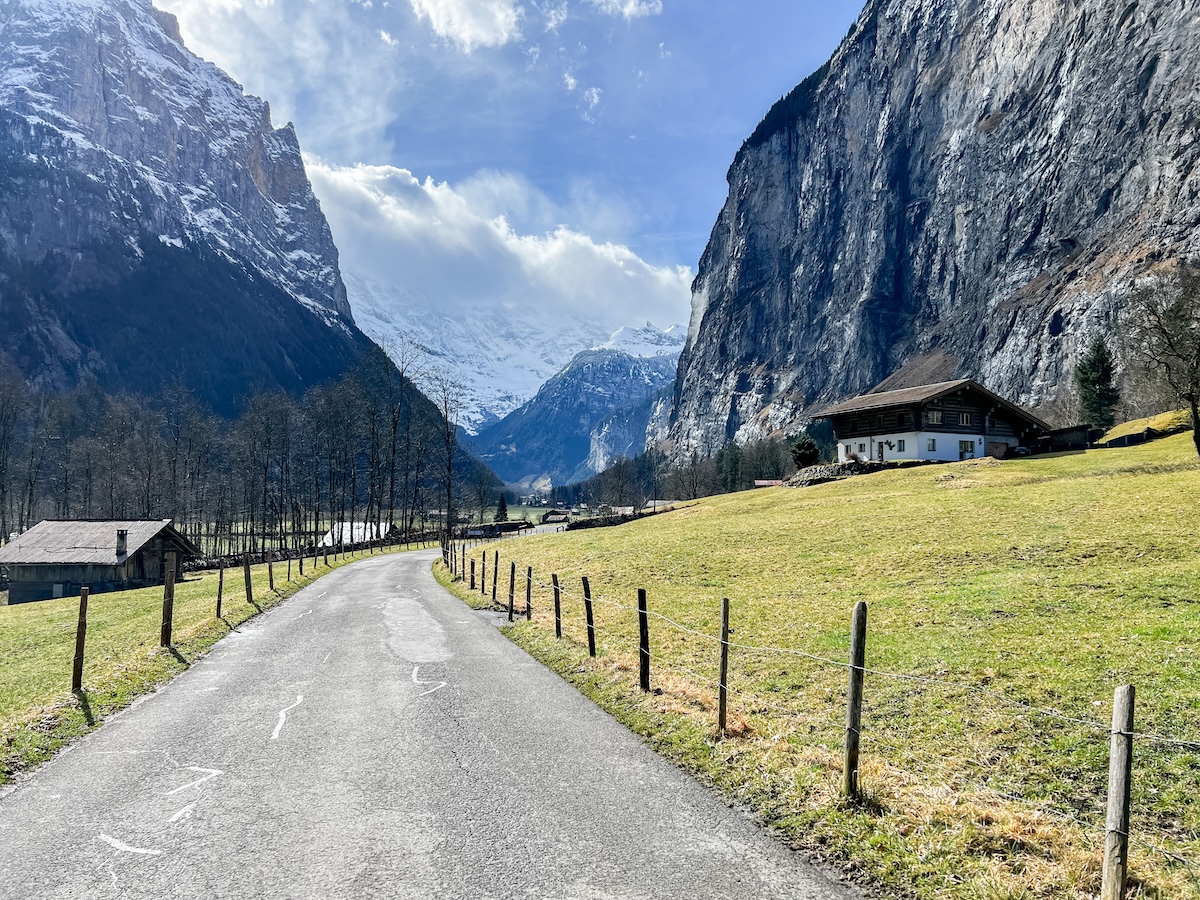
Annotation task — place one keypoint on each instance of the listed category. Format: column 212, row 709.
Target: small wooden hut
column 57, row 556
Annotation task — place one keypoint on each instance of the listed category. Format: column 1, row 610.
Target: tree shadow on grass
column 85, row 707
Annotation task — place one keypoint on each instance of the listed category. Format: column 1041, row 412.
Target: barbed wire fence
column 1101, row 818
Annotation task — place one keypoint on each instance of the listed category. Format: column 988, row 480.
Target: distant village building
column 942, row 422
column 556, row 517
column 56, row 557
column 346, row 533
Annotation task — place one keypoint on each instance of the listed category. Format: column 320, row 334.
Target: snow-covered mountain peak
column 647, row 340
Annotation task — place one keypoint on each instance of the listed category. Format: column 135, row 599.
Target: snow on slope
column 501, row 355
column 112, row 80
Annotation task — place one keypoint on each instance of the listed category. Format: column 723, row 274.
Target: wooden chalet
column 57, row 556
column 941, row 422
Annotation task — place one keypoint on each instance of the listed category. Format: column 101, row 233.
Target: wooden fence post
column 858, row 655
column 557, row 607
column 301, row 558
column 723, row 679
column 643, row 641
column 270, row 571
column 220, row 586
column 168, row 600
column 80, row 641
column 1120, row 770
column 289, row 567
column 587, row 614
column 512, row 587
column 246, row 572
column 472, row 573
column 528, row 594
column 495, row 574
column 483, row 573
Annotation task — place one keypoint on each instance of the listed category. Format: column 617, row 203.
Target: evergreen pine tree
column 501, row 510
column 1098, row 395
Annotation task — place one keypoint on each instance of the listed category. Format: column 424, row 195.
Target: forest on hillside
column 368, row 447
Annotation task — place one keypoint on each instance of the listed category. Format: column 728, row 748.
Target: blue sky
column 610, row 122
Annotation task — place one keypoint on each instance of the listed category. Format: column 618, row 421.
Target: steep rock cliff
column 142, row 191
column 967, row 188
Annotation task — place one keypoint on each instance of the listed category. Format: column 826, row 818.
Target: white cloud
column 446, row 247
column 629, row 9
column 472, row 23
column 388, row 39
column 556, row 15
column 570, row 81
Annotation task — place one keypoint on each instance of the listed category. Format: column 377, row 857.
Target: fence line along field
column 123, row 654
column 1008, row 601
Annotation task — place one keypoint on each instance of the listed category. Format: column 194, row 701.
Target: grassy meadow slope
column 1012, row 597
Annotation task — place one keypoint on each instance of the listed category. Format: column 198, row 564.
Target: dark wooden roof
column 87, row 541
column 924, row 394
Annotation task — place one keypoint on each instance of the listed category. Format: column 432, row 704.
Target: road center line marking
column 283, row 716
column 209, row 774
column 125, row 848
column 417, row 681
column 185, row 813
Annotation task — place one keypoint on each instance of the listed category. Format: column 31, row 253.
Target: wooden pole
column 301, row 558
column 220, row 586
column 168, row 600
column 557, row 607
column 512, row 587
column 472, row 574
column 289, row 567
column 483, row 573
column 643, row 642
column 528, row 594
column 246, row 572
column 587, row 614
column 80, row 641
column 1120, row 771
column 495, row 574
column 858, row 653
column 270, row 570
column 723, row 678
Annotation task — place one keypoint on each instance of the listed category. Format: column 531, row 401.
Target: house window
column 862, row 448
column 900, row 445
column 849, row 451
column 934, row 417
column 931, row 445
column 964, row 418
column 966, row 449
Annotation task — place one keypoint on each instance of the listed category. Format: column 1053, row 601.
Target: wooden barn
column 57, row 556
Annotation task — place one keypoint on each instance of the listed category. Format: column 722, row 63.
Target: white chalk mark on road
column 125, row 848
column 209, row 774
column 326, row 659
column 283, row 716
column 438, row 684
column 302, row 615
column 185, row 813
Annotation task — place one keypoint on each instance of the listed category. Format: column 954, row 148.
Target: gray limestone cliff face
column 119, row 133
column 968, row 188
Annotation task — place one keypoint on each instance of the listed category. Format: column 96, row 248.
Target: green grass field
column 123, row 659
column 1012, row 598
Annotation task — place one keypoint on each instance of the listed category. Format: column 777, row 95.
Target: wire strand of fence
column 897, row 676
column 1153, row 848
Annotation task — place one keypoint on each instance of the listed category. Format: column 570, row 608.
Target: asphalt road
column 374, row 737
